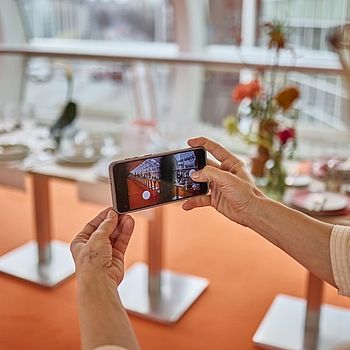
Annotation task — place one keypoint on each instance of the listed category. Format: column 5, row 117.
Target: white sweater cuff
column 340, row 258
column 109, row 347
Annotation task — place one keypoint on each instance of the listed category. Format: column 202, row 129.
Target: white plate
column 77, row 159
column 11, row 152
column 298, row 181
column 325, row 201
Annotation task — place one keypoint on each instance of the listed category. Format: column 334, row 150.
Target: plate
column 11, row 152
column 298, row 181
column 317, row 202
column 78, row 159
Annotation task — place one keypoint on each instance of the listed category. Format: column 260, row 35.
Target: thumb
column 213, row 174
column 107, row 226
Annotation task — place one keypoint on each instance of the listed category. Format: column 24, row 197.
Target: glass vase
column 258, row 161
column 276, row 177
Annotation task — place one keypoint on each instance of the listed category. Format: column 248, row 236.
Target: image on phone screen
column 151, row 181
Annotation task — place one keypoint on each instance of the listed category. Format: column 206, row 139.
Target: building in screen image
column 186, row 163
column 162, row 179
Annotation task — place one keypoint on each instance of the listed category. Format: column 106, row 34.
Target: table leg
column 313, row 312
column 298, row 324
column 156, row 293
column 155, row 251
column 42, row 215
column 44, row 261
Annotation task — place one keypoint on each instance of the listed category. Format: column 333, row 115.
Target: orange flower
column 250, row 90
column 287, row 96
column 255, row 88
column 239, row 92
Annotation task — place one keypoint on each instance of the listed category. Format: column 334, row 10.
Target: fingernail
column 195, row 175
column 111, row 214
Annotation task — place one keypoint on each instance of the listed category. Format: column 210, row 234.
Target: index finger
column 228, row 161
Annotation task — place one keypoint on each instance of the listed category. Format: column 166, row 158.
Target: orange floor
column 245, row 274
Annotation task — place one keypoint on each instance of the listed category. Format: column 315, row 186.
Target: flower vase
column 276, row 177
column 258, row 161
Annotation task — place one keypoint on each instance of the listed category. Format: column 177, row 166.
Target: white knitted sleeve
column 340, row 258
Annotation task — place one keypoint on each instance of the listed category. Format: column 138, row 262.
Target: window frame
column 188, row 52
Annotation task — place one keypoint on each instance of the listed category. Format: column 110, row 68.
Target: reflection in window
column 308, row 24
column 153, row 20
column 102, row 90
column 119, row 20
column 224, row 22
column 217, row 101
column 308, row 21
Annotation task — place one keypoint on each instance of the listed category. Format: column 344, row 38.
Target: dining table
column 149, row 290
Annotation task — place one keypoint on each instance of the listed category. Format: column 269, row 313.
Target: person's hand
column 98, row 250
column 232, row 190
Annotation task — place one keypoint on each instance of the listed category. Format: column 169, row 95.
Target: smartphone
column 156, row 179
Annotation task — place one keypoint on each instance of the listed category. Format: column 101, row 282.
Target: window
column 224, row 22
column 102, row 90
column 193, row 93
column 308, row 24
column 117, row 20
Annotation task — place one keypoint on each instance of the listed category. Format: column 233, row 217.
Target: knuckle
column 72, row 246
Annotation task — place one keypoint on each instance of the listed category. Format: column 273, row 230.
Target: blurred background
column 196, row 98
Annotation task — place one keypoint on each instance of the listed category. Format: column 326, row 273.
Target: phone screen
column 150, row 181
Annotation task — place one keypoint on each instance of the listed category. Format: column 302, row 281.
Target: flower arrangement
column 270, row 114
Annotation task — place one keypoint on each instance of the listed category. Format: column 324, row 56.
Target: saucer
column 13, row 152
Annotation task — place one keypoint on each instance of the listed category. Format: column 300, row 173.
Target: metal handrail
column 252, row 58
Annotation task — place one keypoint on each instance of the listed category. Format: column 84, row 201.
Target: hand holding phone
column 152, row 180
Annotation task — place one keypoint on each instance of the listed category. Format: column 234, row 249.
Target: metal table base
column 155, row 293
column 44, row 261
column 283, row 326
column 177, row 293
column 23, row 263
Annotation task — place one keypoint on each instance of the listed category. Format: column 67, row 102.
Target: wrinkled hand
column 100, row 247
column 232, row 190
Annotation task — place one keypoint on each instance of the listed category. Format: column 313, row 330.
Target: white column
column 190, row 24
column 11, row 68
column 249, row 25
column 249, row 22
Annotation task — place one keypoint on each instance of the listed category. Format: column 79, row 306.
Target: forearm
column 302, row 237
column 103, row 320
